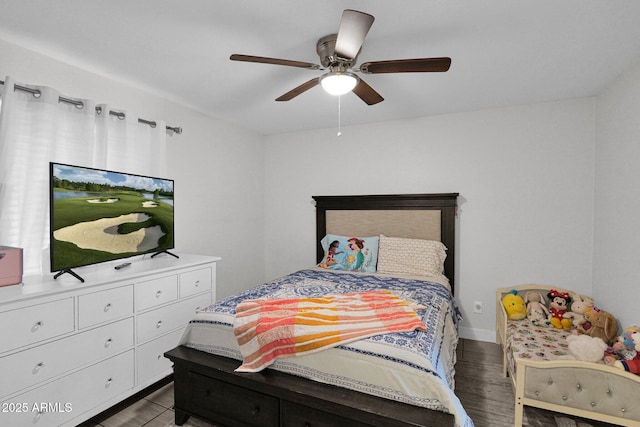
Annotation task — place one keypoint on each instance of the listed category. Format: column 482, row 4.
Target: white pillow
column 411, row 256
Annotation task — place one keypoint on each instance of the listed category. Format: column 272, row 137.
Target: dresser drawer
column 157, row 322
column 36, row 323
column 156, row 292
column 70, row 396
column 195, row 282
column 29, row 367
column 299, row 415
column 104, row 306
column 151, row 360
column 193, row 305
column 229, row 404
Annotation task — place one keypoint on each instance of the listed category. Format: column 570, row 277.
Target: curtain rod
column 80, row 104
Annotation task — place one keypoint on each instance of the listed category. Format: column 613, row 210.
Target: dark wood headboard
column 424, row 216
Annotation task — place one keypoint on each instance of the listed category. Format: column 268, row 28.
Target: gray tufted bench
column 540, row 379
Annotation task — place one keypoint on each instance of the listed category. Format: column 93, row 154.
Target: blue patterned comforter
column 415, row 367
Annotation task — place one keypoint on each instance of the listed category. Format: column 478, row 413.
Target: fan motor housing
column 326, row 47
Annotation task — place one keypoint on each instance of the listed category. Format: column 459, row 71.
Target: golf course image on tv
column 99, row 215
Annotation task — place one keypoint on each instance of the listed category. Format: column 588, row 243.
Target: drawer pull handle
column 197, row 309
column 108, row 343
column 307, row 425
column 39, row 324
column 255, row 410
column 107, row 307
column 108, row 383
column 159, row 324
column 37, row 368
column 158, row 294
column 37, row 417
column 197, row 283
column 206, row 393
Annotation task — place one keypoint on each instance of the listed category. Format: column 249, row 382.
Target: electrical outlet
column 477, row 307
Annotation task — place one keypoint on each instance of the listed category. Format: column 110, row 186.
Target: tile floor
column 152, row 410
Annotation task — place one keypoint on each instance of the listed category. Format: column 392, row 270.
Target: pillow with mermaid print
column 350, row 253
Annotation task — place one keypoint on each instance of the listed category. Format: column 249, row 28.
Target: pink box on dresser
column 10, row 266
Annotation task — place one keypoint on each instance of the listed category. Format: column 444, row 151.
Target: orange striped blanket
column 268, row 329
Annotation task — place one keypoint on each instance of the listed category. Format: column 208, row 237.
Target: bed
column 413, row 377
column 534, row 358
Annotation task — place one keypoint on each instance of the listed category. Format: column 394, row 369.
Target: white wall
column 218, row 168
column 616, row 262
column 524, row 174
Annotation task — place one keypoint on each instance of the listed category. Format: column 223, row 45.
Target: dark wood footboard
column 207, row 387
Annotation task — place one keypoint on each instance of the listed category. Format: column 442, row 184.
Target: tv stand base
column 71, row 272
column 165, row 252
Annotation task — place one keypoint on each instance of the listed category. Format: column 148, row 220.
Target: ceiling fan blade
column 419, row 65
column 300, row 89
column 354, row 27
column 367, row 93
column 275, row 61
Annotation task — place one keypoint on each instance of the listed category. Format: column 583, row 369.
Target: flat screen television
column 99, row 215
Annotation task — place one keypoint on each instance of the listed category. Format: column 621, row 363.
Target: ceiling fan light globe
column 338, row 83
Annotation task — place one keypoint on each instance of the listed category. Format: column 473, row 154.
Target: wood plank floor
column 484, row 393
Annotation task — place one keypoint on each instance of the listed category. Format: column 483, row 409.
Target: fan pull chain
column 339, row 113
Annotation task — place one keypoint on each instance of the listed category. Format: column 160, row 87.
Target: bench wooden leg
column 519, row 392
column 519, row 414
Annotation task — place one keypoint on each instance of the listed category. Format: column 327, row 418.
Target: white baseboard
column 477, row 334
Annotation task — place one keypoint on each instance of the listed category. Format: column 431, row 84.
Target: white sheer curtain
column 36, row 130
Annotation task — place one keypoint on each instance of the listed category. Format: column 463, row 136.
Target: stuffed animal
column 627, row 345
column 627, row 349
column 558, row 304
column 632, row 366
column 576, row 315
column 603, row 325
column 584, row 347
column 537, row 312
column 514, row 306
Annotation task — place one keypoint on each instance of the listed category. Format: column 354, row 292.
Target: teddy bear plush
column 514, row 305
column 537, row 311
column 603, row 325
column 558, row 305
column 576, row 314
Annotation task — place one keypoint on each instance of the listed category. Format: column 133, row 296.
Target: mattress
column 415, row 368
column 526, row 340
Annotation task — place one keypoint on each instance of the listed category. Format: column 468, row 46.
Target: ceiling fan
column 338, row 54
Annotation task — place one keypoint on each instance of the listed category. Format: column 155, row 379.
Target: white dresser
column 70, row 350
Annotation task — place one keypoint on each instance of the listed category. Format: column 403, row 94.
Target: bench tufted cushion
column 584, row 388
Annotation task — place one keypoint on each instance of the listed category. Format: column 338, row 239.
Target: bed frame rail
column 208, row 388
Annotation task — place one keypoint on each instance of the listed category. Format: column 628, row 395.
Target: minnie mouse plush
column 558, row 305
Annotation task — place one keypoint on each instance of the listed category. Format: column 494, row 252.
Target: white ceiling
column 504, row 52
